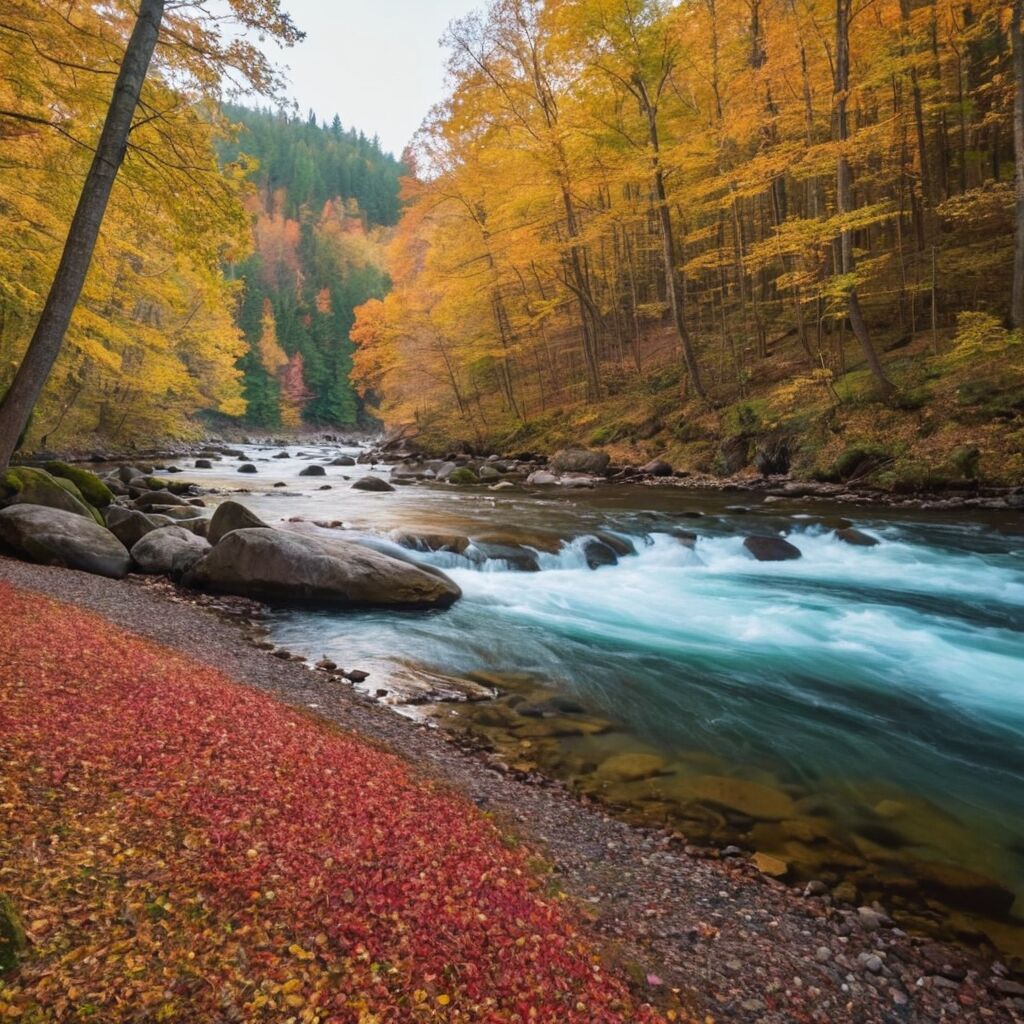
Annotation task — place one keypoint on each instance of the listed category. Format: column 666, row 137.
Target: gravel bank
column 739, row 947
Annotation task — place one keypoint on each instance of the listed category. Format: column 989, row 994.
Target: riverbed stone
column 542, row 478
column 752, row 799
column 580, row 460
column 343, row 460
column 851, row 535
column 371, row 483
column 247, row 467
column 229, row 516
column 772, row 549
column 631, row 767
column 275, row 565
column 598, row 554
column 431, row 541
column 774, row 867
column 168, row 549
column 50, row 536
column 313, row 471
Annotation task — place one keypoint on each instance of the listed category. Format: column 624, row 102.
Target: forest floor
column 176, row 833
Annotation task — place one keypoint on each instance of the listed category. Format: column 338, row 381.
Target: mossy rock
column 158, row 483
column 12, row 936
column 27, row 485
column 463, row 476
column 92, row 488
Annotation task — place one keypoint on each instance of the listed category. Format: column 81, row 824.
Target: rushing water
column 882, row 689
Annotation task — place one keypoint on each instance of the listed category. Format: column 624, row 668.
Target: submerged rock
column 431, row 541
column 763, row 803
column 597, row 554
column 274, row 565
column 851, row 535
column 631, row 767
column 51, row 536
column 772, row 549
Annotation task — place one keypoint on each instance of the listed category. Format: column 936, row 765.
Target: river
column 857, row 713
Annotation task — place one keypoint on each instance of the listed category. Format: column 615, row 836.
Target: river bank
column 850, row 486
column 737, row 945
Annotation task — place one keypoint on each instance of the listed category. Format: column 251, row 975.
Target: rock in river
column 53, row 536
column 851, row 535
column 313, row 471
column 371, row 483
column 771, row 549
column 763, row 803
column 276, row 566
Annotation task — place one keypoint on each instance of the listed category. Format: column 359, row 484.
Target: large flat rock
column 275, row 565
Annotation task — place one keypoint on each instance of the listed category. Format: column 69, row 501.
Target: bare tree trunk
column 673, row 282
column 1017, row 44
column 844, row 194
column 20, row 399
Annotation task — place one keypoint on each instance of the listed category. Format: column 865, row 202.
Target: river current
column 877, row 692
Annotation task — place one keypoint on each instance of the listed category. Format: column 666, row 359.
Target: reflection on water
column 858, row 713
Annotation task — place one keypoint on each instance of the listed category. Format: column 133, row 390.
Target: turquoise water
column 849, row 677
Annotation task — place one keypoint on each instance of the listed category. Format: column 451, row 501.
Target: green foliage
column 92, row 488
column 12, row 936
column 859, row 461
column 965, row 460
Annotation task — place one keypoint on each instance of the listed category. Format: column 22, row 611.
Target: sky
column 376, row 63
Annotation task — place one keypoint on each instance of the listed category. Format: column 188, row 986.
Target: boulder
column 580, row 460
column 26, row 485
column 851, row 535
column 126, row 474
column 166, row 498
column 167, row 550
column 282, row 455
column 597, row 553
column 371, row 483
column 313, row 471
column 518, row 558
column 230, row 516
column 464, row 475
column 343, row 460
column 204, row 464
column 130, row 526
column 91, row 487
column 657, row 467
column 490, row 473
column 772, row 549
column 247, row 467
column 51, row 536
column 276, row 565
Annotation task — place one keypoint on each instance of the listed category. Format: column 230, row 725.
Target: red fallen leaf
column 368, row 885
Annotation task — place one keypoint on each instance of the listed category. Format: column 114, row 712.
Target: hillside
column 694, row 232
column 324, row 196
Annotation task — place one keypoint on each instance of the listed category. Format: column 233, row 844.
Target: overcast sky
column 376, row 63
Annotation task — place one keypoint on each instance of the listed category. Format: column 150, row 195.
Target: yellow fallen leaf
column 443, row 1000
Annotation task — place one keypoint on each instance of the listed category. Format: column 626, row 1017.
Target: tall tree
column 1017, row 47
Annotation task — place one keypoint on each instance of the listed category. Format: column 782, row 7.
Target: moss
column 859, row 460
column 12, row 936
column 158, row 483
column 463, row 476
column 31, row 486
column 93, row 489
column 965, row 460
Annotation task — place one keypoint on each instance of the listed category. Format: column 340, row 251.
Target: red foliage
column 184, row 848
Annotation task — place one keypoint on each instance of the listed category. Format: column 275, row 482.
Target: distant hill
column 325, row 195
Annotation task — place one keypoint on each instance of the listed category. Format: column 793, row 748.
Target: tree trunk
column 42, row 352
column 1017, row 44
column 844, row 194
column 673, row 284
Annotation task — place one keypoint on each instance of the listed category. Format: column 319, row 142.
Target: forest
column 236, row 244
column 722, row 230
